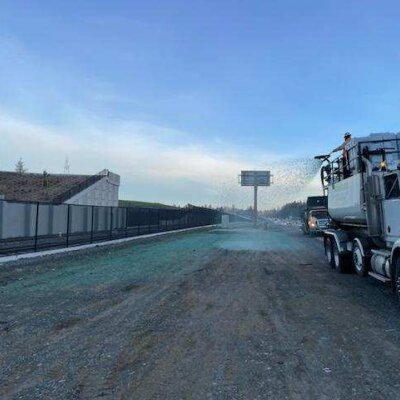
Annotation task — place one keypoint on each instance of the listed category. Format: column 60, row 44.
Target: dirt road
column 222, row 314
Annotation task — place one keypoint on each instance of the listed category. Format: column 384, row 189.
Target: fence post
column 158, row 220
column 111, row 222
column 126, row 221
column 149, row 220
column 36, row 226
column 68, row 212
column 91, row 230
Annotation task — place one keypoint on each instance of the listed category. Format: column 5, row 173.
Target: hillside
column 145, row 204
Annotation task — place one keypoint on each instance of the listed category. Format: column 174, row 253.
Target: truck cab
column 315, row 216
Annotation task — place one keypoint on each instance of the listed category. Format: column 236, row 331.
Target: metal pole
column 255, row 205
column 111, row 222
column 68, row 211
column 126, row 221
column 37, row 225
column 91, row 230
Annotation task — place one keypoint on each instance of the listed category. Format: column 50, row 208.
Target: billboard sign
column 255, row 178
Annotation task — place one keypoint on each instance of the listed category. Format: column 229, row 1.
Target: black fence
column 26, row 227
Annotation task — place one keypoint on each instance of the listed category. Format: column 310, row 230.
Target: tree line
column 289, row 210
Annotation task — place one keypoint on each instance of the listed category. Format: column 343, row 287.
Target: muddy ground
column 222, row 314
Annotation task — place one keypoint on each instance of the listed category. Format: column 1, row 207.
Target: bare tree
column 20, row 167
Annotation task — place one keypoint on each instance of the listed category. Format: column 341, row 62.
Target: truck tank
column 346, row 202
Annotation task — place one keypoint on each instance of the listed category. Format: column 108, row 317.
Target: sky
column 179, row 96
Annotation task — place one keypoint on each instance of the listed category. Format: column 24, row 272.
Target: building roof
column 52, row 188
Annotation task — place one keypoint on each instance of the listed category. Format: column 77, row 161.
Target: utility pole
column 66, row 166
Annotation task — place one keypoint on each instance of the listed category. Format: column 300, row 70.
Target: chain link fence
column 26, row 227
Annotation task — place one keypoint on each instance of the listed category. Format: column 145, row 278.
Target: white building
column 104, row 192
column 101, row 189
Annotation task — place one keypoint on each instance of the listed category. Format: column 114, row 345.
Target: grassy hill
column 133, row 203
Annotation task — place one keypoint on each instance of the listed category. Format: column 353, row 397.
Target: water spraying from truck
column 293, row 179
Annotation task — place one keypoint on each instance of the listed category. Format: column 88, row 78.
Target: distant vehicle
column 315, row 216
column 364, row 205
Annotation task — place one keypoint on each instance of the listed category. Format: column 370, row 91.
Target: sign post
column 255, row 179
column 255, row 205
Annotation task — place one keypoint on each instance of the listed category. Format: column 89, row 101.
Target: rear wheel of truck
column 340, row 261
column 328, row 250
column 360, row 262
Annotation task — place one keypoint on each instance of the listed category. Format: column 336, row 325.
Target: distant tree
column 288, row 210
column 45, row 178
column 20, row 167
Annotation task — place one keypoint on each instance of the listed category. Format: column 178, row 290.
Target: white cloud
column 155, row 163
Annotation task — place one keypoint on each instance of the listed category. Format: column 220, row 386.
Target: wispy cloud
column 155, row 163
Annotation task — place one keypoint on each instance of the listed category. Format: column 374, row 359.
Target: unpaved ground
column 238, row 314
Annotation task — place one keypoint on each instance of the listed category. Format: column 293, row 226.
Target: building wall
column 103, row 193
column 19, row 219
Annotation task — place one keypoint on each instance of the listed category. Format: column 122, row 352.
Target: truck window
column 392, row 189
column 319, row 214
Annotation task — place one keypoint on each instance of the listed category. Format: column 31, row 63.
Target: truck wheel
column 339, row 261
column 328, row 250
column 360, row 262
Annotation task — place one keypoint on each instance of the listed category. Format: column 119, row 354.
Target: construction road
column 218, row 314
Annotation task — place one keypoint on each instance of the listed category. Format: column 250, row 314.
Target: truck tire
column 340, row 262
column 360, row 263
column 329, row 251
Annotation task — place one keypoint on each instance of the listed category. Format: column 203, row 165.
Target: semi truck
column 363, row 191
column 315, row 215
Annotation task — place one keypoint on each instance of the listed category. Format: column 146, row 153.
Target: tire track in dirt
column 275, row 324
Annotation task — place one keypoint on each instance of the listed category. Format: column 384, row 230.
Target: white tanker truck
column 364, row 204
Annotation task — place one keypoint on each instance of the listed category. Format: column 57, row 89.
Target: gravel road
column 219, row 314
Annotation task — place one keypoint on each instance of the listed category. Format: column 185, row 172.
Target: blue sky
column 191, row 91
